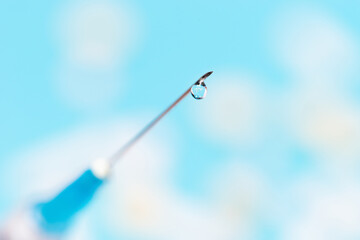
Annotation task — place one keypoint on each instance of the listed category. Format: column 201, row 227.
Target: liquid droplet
column 199, row 90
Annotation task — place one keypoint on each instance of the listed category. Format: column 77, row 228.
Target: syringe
column 53, row 217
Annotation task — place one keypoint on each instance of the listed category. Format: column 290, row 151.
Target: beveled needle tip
column 202, row 79
column 206, row 75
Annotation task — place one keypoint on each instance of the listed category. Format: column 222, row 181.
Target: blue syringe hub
column 55, row 216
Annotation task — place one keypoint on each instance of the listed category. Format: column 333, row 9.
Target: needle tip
column 202, row 79
column 207, row 74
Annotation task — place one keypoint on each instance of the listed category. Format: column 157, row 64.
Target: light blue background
column 180, row 40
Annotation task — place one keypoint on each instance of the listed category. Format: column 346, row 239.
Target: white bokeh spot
column 232, row 111
column 329, row 210
column 97, row 33
column 314, row 45
column 327, row 124
column 95, row 39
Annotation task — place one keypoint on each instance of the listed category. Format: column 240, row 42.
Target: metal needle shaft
column 118, row 154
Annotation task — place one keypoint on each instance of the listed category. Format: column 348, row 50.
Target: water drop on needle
column 199, row 90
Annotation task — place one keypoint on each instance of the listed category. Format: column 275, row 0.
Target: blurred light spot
column 314, row 45
column 96, row 38
column 97, row 33
column 329, row 127
column 240, row 193
column 329, row 211
column 148, row 209
column 232, row 110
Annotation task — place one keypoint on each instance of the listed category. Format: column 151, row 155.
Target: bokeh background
column 271, row 153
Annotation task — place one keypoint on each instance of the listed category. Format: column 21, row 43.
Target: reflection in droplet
column 199, row 90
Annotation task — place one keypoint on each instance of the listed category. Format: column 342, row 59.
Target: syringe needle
column 118, row 154
column 53, row 216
